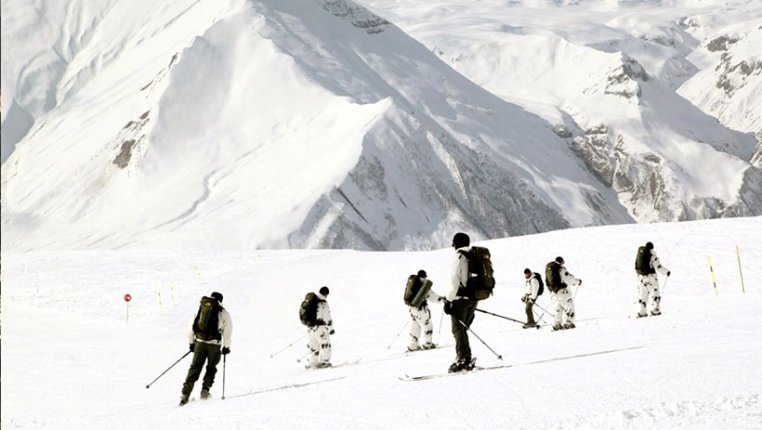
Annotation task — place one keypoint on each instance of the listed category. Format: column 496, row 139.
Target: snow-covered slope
column 274, row 124
column 71, row 361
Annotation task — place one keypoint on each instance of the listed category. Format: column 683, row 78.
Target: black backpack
column 539, row 281
column 206, row 324
column 481, row 281
column 553, row 276
column 643, row 262
column 308, row 310
column 411, row 289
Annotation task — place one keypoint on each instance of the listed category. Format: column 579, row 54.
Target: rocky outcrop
column 625, row 79
column 358, row 16
column 131, row 137
column 735, row 74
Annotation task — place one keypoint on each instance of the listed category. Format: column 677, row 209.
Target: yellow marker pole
column 740, row 271
column 711, row 271
column 161, row 307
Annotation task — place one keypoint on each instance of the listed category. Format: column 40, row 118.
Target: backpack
column 643, row 262
column 539, row 281
column 553, row 276
column 308, row 310
column 206, row 324
column 481, row 283
column 419, row 300
column 411, row 289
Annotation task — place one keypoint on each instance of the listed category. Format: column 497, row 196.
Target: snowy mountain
column 619, row 81
column 319, row 124
column 70, row 360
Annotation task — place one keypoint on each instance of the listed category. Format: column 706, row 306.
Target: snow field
column 71, row 361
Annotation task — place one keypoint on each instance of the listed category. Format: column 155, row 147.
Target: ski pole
column 740, row 270
column 499, row 357
column 299, row 360
column 664, row 287
column 224, row 362
column 501, row 316
column 173, row 365
column 287, row 347
column 544, row 311
column 439, row 332
column 398, row 334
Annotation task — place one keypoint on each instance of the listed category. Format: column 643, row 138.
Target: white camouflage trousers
column 648, row 287
column 564, row 306
column 319, row 344
column 421, row 321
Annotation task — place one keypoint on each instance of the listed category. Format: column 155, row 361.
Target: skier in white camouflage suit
column 558, row 279
column 320, row 333
column 421, row 318
column 648, row 281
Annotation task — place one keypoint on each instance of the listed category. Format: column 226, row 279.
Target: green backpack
column 553, row 277
column 206, row 324
column 643, row 262
column 308, row 310
column 481, row 281
column 411, row 289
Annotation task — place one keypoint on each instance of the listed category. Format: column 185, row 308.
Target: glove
column 580, row 282
column 225, row 350
column 668, row 273
column 447, row 307
column 192, row 346
column 530, row 301
column 441, row 299
column 524, row 299
column 332, row 332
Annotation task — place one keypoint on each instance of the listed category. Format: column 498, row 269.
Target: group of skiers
column 471, row 280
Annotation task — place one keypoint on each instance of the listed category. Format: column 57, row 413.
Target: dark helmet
column 649, row 245
column 324, row 291
column 422, row 273
column 216, row 296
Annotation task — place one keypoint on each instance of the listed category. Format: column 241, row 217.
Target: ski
column 334, row 366
column 408, row 352
column 477, row 369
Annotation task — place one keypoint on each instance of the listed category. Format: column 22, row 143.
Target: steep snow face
column 607, row 76
column 344, row 132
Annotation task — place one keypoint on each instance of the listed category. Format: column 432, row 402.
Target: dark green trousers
column 462, row 310
column 530, row 311
column 202, row 353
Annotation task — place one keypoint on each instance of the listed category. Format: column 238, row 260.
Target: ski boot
column 184, row 399
column 569, row 326
column 557, row 327
column 324, row 365
column 205, row 394
column 655, row 313
column 529, row 325
column 412, row 348
column 642, row 315
column 429, row 346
